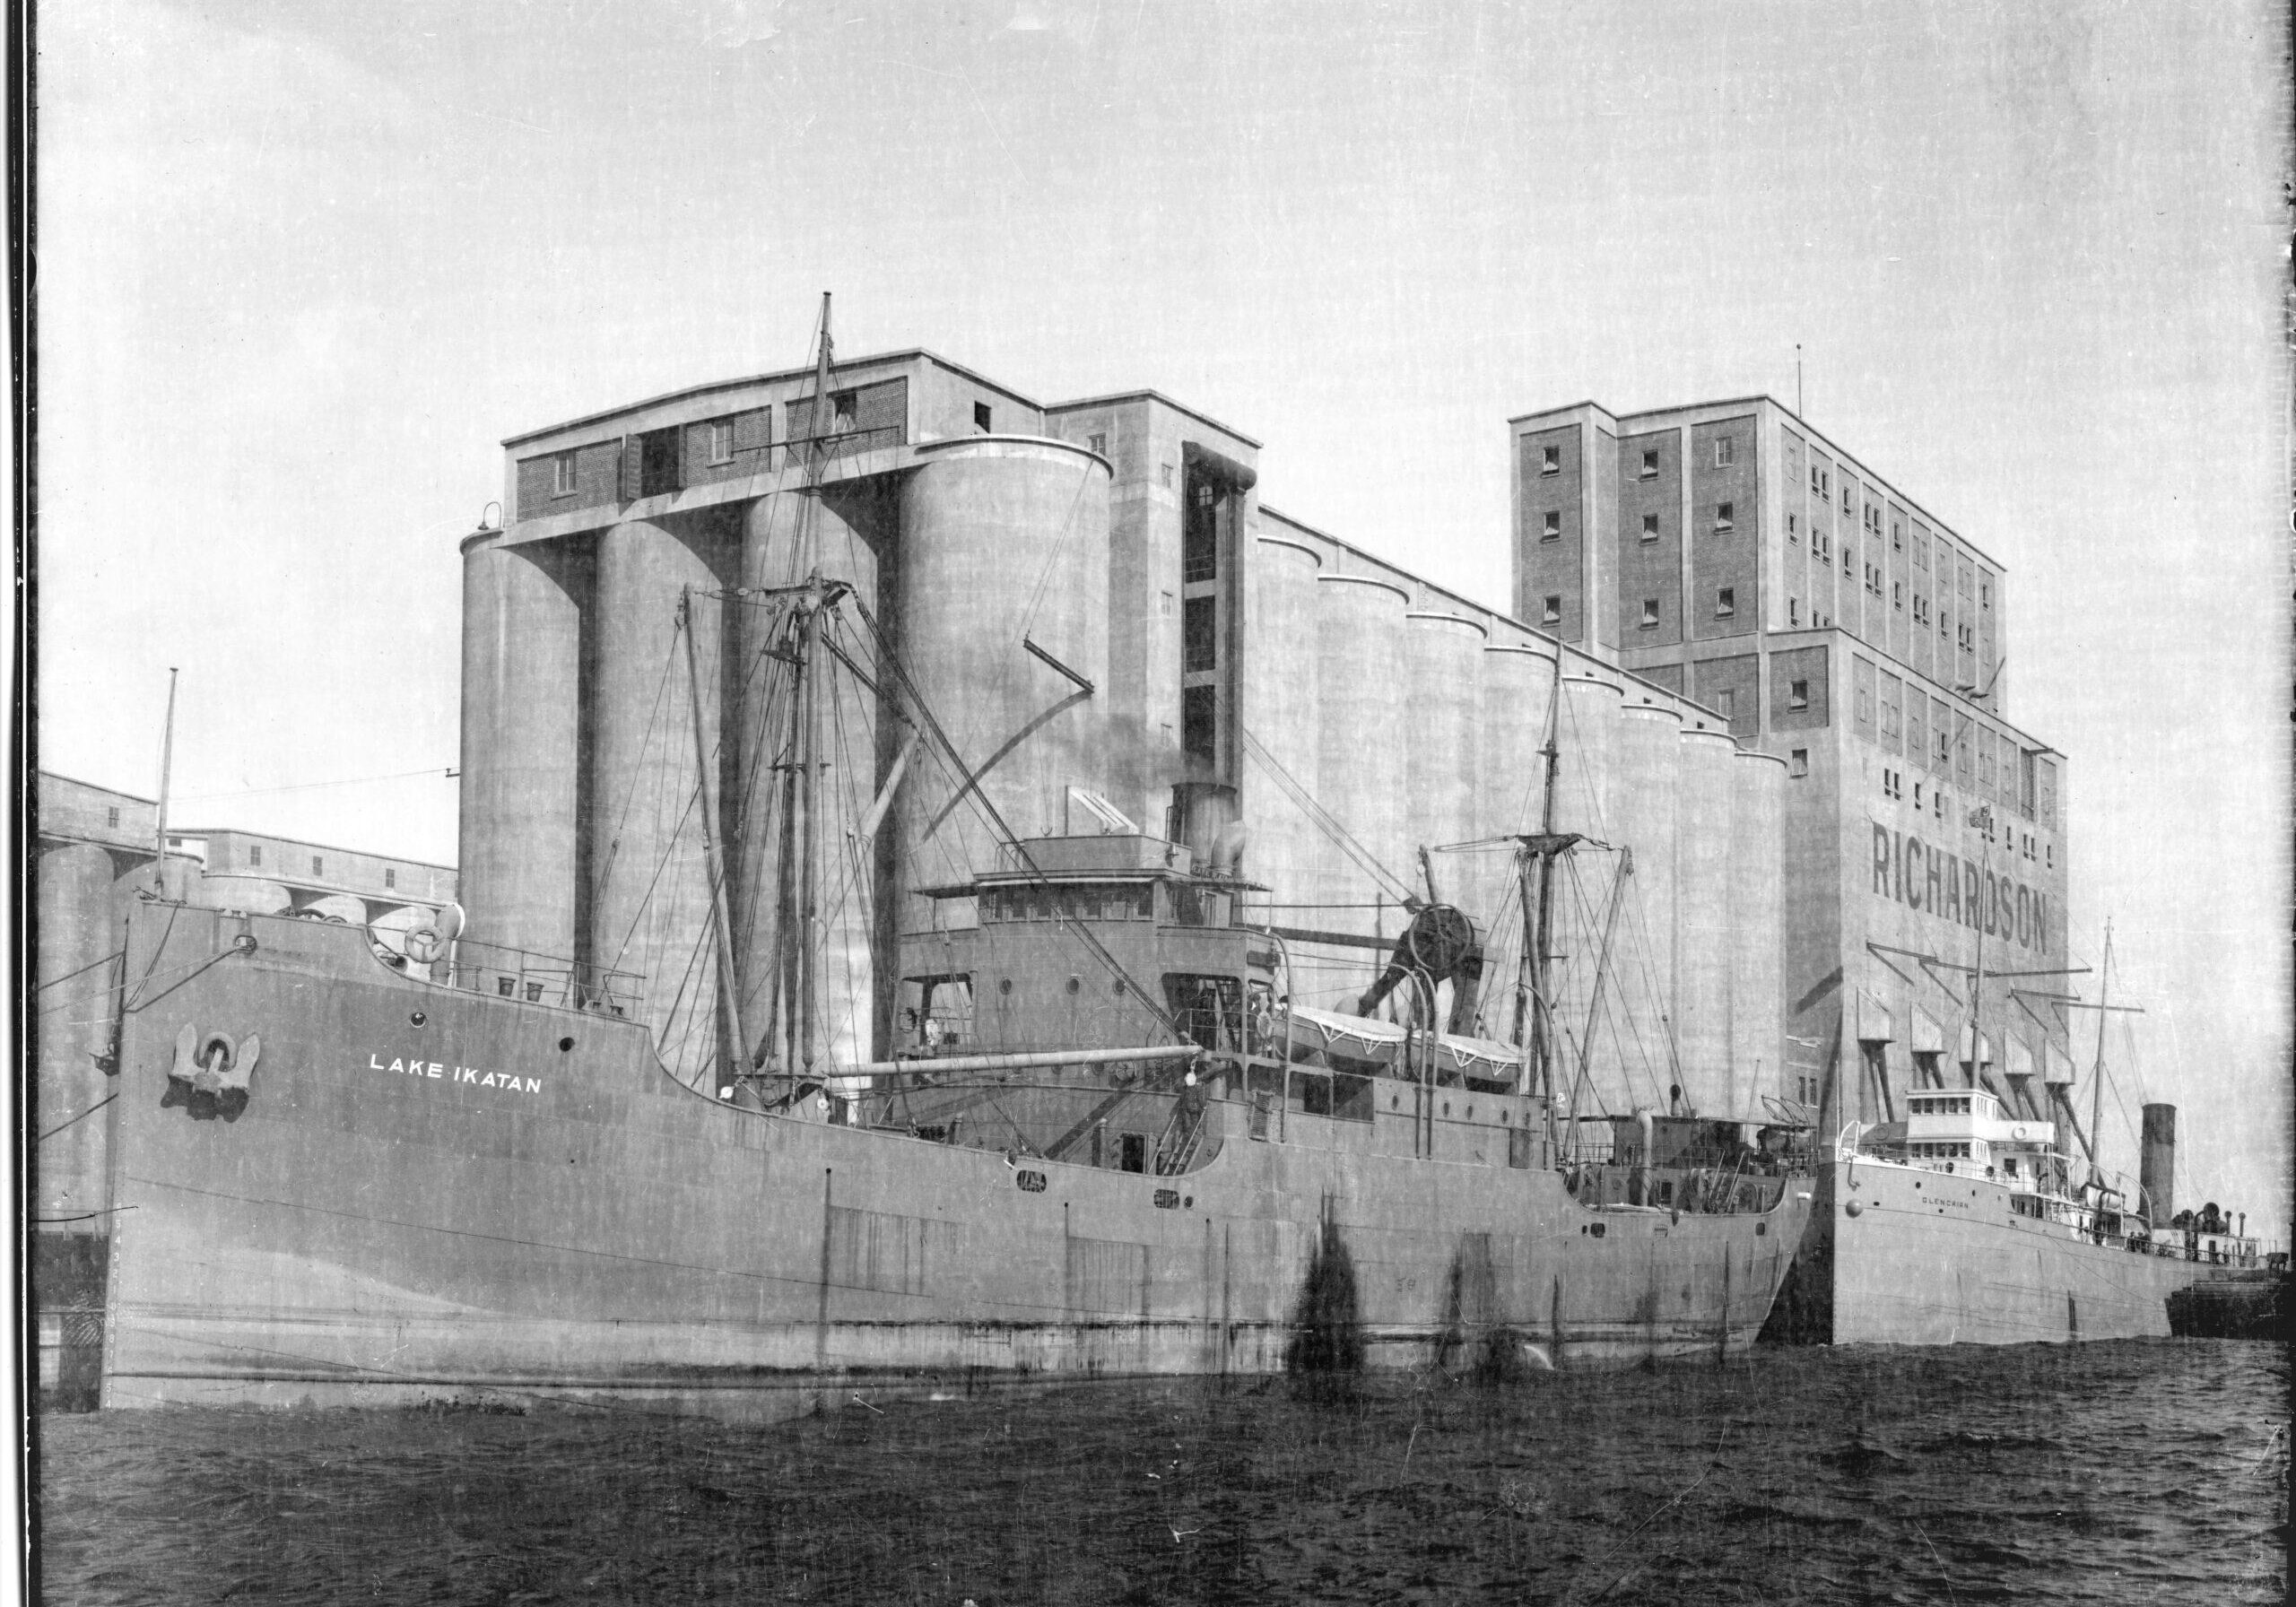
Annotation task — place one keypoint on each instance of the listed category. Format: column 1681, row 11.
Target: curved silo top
column 1312, row 556
column 1401, row 595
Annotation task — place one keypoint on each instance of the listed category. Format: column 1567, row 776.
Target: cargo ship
column 1970, row 1224
column 822, row 1011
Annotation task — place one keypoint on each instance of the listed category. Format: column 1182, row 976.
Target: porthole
column 565, row 1046
column 1075, row 984
column 418, row 1018
column 1118, row 989
column 1005, row 986
column 1394, row 1102
column 1470, row 1113
column 1447, row 1107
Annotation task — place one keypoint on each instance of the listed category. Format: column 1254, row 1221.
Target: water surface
column 2137, row 1471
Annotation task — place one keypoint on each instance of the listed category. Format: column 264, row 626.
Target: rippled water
column 2138, row 1472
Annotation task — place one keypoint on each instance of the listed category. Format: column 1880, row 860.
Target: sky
column 302, row 268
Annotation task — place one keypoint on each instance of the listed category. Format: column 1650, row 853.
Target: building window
column 844, row 409
column 1792, row 528
column 1649, row 526
column 1897, row 536
column 1817, row 481
column 111, row 815
column 1793, row 611
column 1917, row 795
column 1726, row 702
column 1897, row 595
column 1725, row 601
column 980, row 417
column 1167, row 476
column 1549, row 460
column 1726, row 451
column 1848, row 497
column 1650, row 464
column 1798, row 764
column 1985, row 594
column 1200, row 541
column 1649, row 612
column 562, row 474
column 721, row 441
column 1723, row 519
column 390, row 877
column 1199, row 634
column 1197, row 720
column 175, row 842
column 1099, row 444
column 1798, row 694
column 1550, row 530
column 1550, row 611
column 255, row 853
column 318, row 866
column 1891, row 785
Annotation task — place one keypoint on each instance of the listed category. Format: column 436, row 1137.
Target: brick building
column 1730, row 552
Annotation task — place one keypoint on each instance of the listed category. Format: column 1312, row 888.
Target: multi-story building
column 1730, row 552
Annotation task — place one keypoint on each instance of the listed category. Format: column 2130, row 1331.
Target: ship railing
column 499, row 971
column 1708, row 1191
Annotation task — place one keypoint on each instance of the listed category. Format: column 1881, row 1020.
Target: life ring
column 423, row 945
column 2018, row 1134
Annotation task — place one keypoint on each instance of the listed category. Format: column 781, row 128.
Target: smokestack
column 2157, row 1166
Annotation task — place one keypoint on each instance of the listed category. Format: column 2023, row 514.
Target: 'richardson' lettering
column 1953, row 889
column 470, row 1076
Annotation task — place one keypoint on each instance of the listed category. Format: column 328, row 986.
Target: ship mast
column 1534, row 987
column 1970, row 1077
column 167, row 763
column 728, row 983
column 2096, row 1133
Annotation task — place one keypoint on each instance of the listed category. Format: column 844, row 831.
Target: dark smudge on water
column 2140, row 1471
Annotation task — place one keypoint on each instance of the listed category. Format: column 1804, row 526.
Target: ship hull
column 1901, row 1255
column 430, row 1194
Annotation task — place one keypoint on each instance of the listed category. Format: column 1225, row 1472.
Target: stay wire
column 981, row 805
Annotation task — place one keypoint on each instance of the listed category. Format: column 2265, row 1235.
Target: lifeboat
column 1368, row 1047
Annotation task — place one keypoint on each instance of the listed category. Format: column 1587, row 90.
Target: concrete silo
column 1588, row 741
column 1281, row 698
column 521, row 712
column 1004, row 543
column 1757, row 921
column 1442, row 732
column 1703, row 934
column 1362, row 708
column 1644, row 810
column 650, row 893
